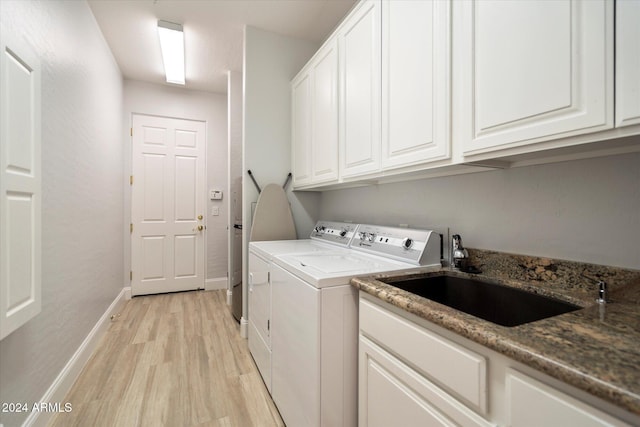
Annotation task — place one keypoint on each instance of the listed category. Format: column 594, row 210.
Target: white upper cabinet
column 627, row 62
column 314, row 99
column 359, row 47
column 415, row 82
column 534, row 71
column 324, row 114
column 301, row 129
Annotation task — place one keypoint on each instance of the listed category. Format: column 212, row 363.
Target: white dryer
column 326, row 236
column 314, row 321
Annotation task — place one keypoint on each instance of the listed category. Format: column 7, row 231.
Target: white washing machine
column 314, row 321
column 326, row 236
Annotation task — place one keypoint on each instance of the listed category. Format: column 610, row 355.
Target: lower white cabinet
column 391, row 393
column 533, row 403
column 409, row 376
column 414, row 373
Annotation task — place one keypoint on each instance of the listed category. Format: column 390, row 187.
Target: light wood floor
column 171, row 360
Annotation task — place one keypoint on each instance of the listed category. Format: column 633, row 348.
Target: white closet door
column 20, row 185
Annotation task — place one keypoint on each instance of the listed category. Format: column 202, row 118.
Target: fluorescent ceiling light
column 172, row 46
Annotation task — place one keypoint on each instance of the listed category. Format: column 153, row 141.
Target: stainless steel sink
column 496, row 303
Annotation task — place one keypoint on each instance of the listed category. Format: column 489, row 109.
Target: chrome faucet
column 602, row 289
column 459, row 254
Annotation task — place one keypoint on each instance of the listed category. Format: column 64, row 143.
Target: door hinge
column 268, row 326
column 130, row 275
column 268, row 277
column 130, row 179
column 131, row 131
column 131, row 228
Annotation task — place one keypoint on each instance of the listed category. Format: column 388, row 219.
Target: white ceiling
column 213, row 32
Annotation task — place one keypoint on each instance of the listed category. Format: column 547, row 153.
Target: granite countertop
column 595, row 349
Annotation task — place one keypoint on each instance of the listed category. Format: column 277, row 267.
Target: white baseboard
column 215, row 284
column 67, row 377
column 229, row 297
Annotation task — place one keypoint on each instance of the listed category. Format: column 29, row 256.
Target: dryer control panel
column 339, row 233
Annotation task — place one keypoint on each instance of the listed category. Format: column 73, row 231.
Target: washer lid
column 334, row 268
column 341, row 263
column 268, row 249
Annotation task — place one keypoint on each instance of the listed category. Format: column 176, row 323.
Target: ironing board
column 272, row 219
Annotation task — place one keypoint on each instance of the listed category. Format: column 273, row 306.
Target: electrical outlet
column 215, row 211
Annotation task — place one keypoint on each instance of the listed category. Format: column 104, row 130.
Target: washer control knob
column 407, row 242
column 371, row 236
column 361, row 235
column 343, row 232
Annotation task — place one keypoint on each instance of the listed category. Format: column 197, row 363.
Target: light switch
column 215, row 211
column 215, row 194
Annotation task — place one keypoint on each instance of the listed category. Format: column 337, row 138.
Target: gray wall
column 234, row 194
column 176, row 102
column 82, row 199
column 583, row 210
column 270, row 62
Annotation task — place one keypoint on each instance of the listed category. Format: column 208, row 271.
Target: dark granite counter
column 595, row 349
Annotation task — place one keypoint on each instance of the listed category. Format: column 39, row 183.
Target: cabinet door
column 359, row 46
column 386, row 398
column 301, row 129
column 324, row 114
column 627, row 62
column 532, row 403
column 391, row 393
column 535, row 71
column 415, row 82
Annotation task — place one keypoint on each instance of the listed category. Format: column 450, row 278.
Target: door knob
column 200, row 227
column 200, row 217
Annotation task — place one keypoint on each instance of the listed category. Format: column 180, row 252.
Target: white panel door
column 360, row 68
column 536, row 71
column 415, row 82
column 301, row 129
column 20, row 185
column 167, row 239
column 627, row 62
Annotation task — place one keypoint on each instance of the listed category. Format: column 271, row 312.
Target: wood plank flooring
column 171, row 360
